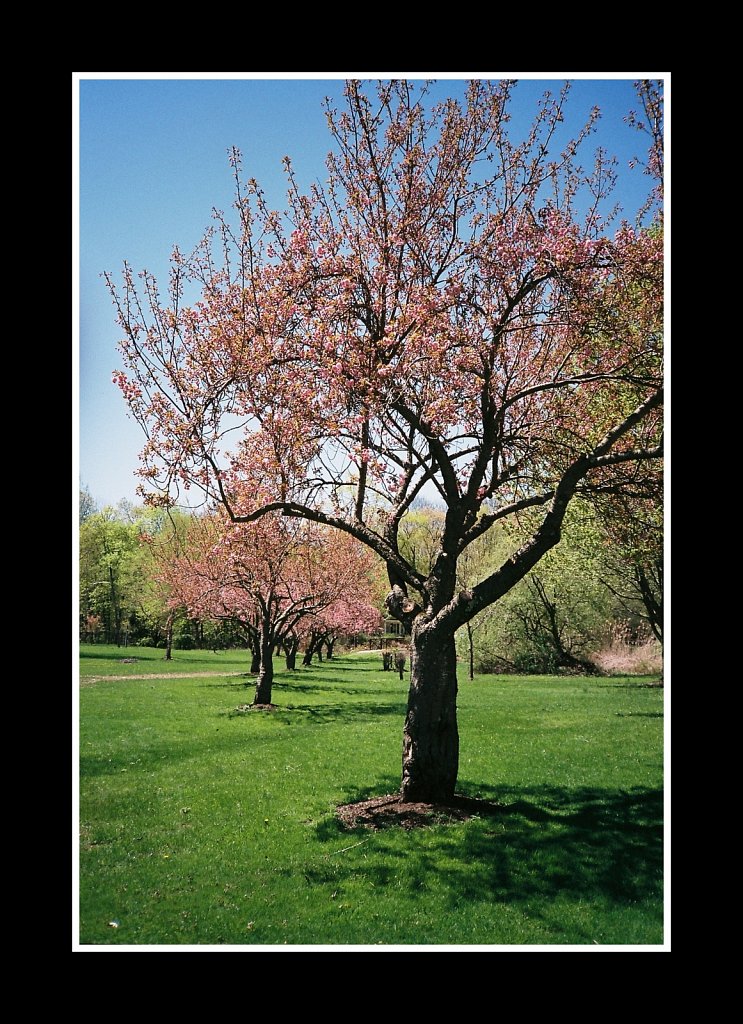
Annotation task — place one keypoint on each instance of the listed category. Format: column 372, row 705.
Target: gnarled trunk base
column 263, row 687
column 430, row 752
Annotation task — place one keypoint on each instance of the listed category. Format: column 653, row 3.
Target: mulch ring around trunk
column 390, row 811
column 243, row 709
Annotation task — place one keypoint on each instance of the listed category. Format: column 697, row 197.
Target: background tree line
column 594, row 603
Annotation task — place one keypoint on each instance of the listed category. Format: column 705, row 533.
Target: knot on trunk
column 400, row 606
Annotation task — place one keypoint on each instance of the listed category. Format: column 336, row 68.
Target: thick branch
column 402, row 608
column 468, row 603
column 484, row 523
column 356, row 529
column 439, row 454
column 363, row 469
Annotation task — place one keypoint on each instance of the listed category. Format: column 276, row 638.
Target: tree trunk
column 553, row 633
column 291, row 646
column 169, row 638
column 329, row 645
column 264, row 682
column 472, row 649
column 652, row 597
column 311, row 648
column 430, row 751
column 255, row 655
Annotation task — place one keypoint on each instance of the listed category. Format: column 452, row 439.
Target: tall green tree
column 87, row 504
column 108, row 549
column 634, row 555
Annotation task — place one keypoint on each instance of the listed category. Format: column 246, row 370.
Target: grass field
column 107, row 660
column 203, row 826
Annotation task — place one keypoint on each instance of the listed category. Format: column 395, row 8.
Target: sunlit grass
column 203, row 826
column 108, row 660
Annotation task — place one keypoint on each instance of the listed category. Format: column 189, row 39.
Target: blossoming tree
column 353, row 612
column 273, row 577
column 451, row 313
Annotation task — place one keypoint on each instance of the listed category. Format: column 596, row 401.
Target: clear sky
column 153, row 162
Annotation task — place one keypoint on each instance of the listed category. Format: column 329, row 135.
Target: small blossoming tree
column 275, row 578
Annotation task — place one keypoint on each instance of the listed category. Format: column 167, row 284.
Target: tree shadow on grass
column 240, row 682
column 343, row 666
column 638, row 684
column 545, row 842
column 87, row 655
column 149, row 757
column 283, row 689
column 358, row 711
column 146, row 658
column 246, row 681
column 289, row 686
column 640, row 714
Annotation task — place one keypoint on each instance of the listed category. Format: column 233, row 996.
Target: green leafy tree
column 557, row 615
column 87, row 504
column 634, row 556
column 108, row 548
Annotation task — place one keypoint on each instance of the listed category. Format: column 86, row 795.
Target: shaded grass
column 202, row 828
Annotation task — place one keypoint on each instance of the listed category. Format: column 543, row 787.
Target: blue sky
column 153, row 162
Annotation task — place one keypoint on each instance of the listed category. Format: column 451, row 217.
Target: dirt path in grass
column 90, row 680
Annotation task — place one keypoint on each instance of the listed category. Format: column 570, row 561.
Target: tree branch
column 356, row 529
column 468, row 603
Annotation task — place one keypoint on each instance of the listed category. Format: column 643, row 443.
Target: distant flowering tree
column 452, row 311
column 273, row 577
column 352, row 612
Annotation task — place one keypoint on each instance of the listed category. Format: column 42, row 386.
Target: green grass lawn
column 201, row 826
column 108, row 660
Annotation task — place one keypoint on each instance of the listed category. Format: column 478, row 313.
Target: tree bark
column 312, row 649
column 430, row 753
column 652, row 596
column 264, row 682
column 254, row 643
column 471, row 649
column 169, row 637
column 291, row 646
